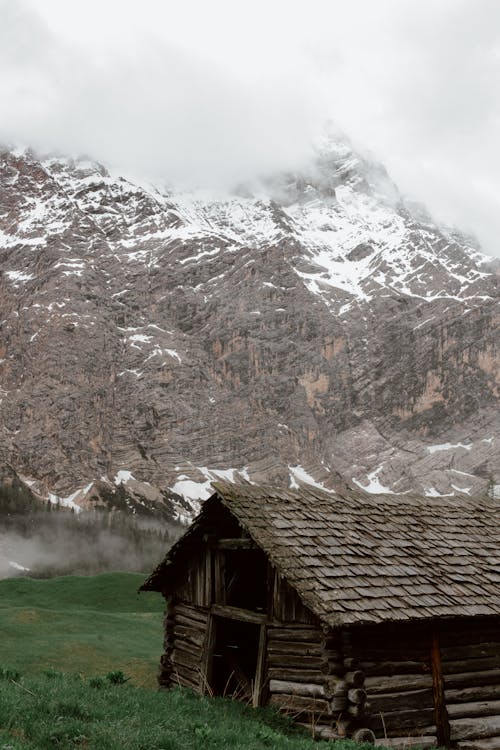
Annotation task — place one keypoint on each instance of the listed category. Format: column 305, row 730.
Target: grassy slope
column 92, row 626
column 45, row 713
column 89, row 625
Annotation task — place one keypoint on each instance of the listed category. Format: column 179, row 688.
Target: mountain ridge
column 321, row 329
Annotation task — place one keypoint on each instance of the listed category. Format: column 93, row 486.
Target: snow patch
column 299, row 474
column 432, row 492
column 198, row 491
column 123, row 476
column 448, row 447
column 192, row 490
column 172, row 353
column 464, row 490
column 374, row 485
column 69, row 501
column 19, row 277
column 139, row 338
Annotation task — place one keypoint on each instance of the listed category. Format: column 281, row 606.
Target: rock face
column 317, row 328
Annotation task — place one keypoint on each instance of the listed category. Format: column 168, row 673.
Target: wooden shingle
column 355, row 559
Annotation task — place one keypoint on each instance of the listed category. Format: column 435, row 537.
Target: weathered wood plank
column 260, row 669
column 189, row 622
column 396, row 683
column 307, row 648
column 236, row 613
column 472, row 665
column 473, row 679
column 477, row 708
column 185, row 658
column 298, row 675
column 294, row 660
column 489, row 743
column 190, row 611
column 393, row 722
column 298, row 703
column 189, row 636
column 207, row 655
column 411, row 699
column 305, row 689
column 401, row 743
column 293, row 632
column 219, row 577
column 393, row 667
column 475, row 728
column 469, row 695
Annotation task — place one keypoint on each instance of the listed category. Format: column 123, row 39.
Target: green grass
column 57, row 711
column 94, row 629
column 88, row 625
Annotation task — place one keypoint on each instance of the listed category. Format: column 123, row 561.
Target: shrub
column 117, row 677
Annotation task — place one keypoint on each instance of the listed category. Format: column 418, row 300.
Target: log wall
column 311, row 680
column 470, row 658
column 396, row 661
column 299, row 681
column 184, row 645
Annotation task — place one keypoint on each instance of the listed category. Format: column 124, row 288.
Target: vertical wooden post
column 260, row 668
column 440, row 712
column 207, row 657
column 270, row 594
column 219, row 594
column 207, row 579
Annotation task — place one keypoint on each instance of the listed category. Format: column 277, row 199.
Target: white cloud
column 223, row 91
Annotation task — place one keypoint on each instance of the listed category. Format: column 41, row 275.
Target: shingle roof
column 356, row 559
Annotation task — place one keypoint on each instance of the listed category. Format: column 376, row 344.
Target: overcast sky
column 197, row 91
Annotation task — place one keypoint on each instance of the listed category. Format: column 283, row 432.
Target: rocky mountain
column 311, row 328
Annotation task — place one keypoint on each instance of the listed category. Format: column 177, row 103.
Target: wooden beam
column 260, row 669
column 207, row 656
column 219, row 578
column 236, row 613
column 441, row 715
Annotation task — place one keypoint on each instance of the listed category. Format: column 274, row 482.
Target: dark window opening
column 235, row 658
column 246, row 579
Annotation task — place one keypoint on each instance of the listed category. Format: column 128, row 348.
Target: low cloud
column 219, row 92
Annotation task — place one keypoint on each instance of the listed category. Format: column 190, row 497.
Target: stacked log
column 165, row 673
column 312, row 682
column 470, row 657
column 398, row 684
column 358, row 710
column 185, row 645
column 298, row 672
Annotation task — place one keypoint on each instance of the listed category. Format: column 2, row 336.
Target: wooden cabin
column 362, row 616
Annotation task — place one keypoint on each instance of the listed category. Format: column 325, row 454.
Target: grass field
column 85, row 625
column 64, row 713
column 64, row 644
